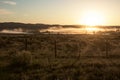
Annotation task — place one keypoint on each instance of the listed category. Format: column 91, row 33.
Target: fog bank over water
column 61, row 30
column 12, row 27
column 85, row 30
column 14, row 31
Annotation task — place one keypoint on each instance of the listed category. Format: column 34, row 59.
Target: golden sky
column 85, row 12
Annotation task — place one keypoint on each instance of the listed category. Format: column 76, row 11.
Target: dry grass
column 59, row 57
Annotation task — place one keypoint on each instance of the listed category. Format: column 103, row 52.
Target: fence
column 61, row 47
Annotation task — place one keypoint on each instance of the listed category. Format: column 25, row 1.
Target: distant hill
column 13, row 25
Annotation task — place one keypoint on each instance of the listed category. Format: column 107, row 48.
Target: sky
column 58, row 11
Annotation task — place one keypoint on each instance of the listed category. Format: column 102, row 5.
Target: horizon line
column 57, row 24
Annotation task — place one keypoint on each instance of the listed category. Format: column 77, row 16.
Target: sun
column 92, row 19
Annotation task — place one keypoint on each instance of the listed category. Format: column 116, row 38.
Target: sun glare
column 92, row 19
column 92, row 30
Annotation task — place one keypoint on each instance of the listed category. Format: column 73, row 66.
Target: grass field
column 60, row 57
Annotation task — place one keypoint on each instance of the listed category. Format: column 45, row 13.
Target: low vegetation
column 60, row 57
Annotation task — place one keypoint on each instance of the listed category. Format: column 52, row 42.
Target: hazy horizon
column 58, row 24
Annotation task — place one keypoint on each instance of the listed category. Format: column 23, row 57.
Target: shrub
column 21, row 59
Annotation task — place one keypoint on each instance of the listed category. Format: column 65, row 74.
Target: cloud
column 9, row 2
column 5, row 11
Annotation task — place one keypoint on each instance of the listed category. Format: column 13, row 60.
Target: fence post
column 55, row 48
column 106, row 47
column 26, row 46
column 78, row 50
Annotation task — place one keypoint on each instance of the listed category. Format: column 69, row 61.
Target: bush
column 21, row 59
